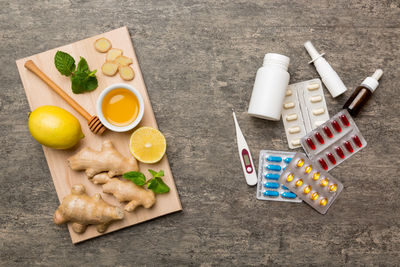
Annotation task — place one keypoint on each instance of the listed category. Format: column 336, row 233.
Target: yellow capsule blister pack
column 311, row 183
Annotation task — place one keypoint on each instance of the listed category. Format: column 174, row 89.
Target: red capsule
column 310, row 143
column 344, row 119
column 331, row 157
column 339, row 152
column 319, row 137
column 348, row 146
column 336, row 126
column 357, row 141
column 323, row 164
column 328, row 131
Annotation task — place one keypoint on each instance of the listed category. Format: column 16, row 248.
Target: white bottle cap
column 277, row 59
column 372, row 82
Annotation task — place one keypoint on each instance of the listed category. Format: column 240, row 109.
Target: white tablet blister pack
column 304, row 109
column 272, row 164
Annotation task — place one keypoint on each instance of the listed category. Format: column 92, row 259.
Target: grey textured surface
column 199, row 60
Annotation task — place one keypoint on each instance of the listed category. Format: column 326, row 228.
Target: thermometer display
column 247, row 163
column 245, row 156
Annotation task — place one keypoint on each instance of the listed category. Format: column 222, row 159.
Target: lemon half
column 147, row 145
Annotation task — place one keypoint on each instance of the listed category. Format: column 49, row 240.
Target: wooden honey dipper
column 94, row 123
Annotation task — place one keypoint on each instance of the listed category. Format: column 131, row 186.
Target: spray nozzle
column 377, row 74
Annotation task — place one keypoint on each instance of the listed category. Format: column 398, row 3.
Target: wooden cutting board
column 39, row 94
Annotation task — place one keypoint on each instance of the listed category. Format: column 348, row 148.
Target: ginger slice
column 126, row 191
column 126, row 73
column 109, row 68
column 113, row 53
column 108, row 159
column 82, row 210
column 102, row 45
column 123, row 61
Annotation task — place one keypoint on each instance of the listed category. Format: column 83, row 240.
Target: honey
column 120, row 107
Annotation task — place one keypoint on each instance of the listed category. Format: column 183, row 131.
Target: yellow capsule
column 324, row 182
column 315, row 176
column 299, row 182
column 307, row 189
column 308, row 169
column 333, row 187
column 323, row 201
column 300, row 163
column 314, row 196
column 289, row 178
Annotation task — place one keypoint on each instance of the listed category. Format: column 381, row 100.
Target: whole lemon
column 55, row 127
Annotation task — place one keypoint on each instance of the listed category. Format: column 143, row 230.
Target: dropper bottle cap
column 372, row 82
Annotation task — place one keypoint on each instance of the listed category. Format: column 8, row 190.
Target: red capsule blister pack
column 334, row 141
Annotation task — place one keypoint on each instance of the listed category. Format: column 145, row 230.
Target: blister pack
column 304, row 109
column 334, row 141
column 272, row 163
column 311, row 183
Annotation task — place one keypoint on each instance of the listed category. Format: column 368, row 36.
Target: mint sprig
column 82, row 79
column 156, row 183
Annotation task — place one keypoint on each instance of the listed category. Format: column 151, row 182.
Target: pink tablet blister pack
column 334, row 141
column 311, row 183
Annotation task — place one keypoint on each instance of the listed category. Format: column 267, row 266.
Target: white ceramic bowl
column 100, row 111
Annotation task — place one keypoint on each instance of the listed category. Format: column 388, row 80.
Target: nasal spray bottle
column 329, row 77
column 363, row 93
column 269, row 89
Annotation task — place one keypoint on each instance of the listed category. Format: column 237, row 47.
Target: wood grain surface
column 39, row 94
column 199, row 60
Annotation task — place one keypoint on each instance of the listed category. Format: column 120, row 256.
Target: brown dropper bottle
column 363, row 93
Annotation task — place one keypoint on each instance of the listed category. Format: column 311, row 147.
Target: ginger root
column 123, row 61
column 102, row 45
column 126, row 191
column 113, row 53
column 108, row 159
column 83, row 210
column 126, row 73
column 109, row 68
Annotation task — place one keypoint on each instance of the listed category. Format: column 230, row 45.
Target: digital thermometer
column 245, row 156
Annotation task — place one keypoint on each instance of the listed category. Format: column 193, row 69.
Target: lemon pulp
column 147, row 145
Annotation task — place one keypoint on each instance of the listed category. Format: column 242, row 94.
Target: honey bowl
column 120, row 107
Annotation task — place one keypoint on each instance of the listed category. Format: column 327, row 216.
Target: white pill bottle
column 269, row 89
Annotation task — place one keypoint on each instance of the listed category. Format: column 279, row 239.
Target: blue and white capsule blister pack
column 304, row 109
column 311, row 183
column 272, row 163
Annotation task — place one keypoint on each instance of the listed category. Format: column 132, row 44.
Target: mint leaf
column 158, row 186
column 91, row 83
column 65, row 64
column 79, row 82
column 82, row 66
column 156, row 174
column 137, row 178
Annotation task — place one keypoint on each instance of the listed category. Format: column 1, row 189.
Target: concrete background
column 199, row 60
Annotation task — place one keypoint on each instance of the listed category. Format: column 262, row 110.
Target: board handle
column 30, row 65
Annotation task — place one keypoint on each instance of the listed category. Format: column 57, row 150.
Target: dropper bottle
column 363, row 93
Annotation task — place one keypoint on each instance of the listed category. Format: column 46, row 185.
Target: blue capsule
column 271, row 185
column 273, row 167
column 288, row 195
column 284, row 168
column 287, row 160
column 271, row 193
column 274, row 158
column 272, row 176
column 284, row 187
